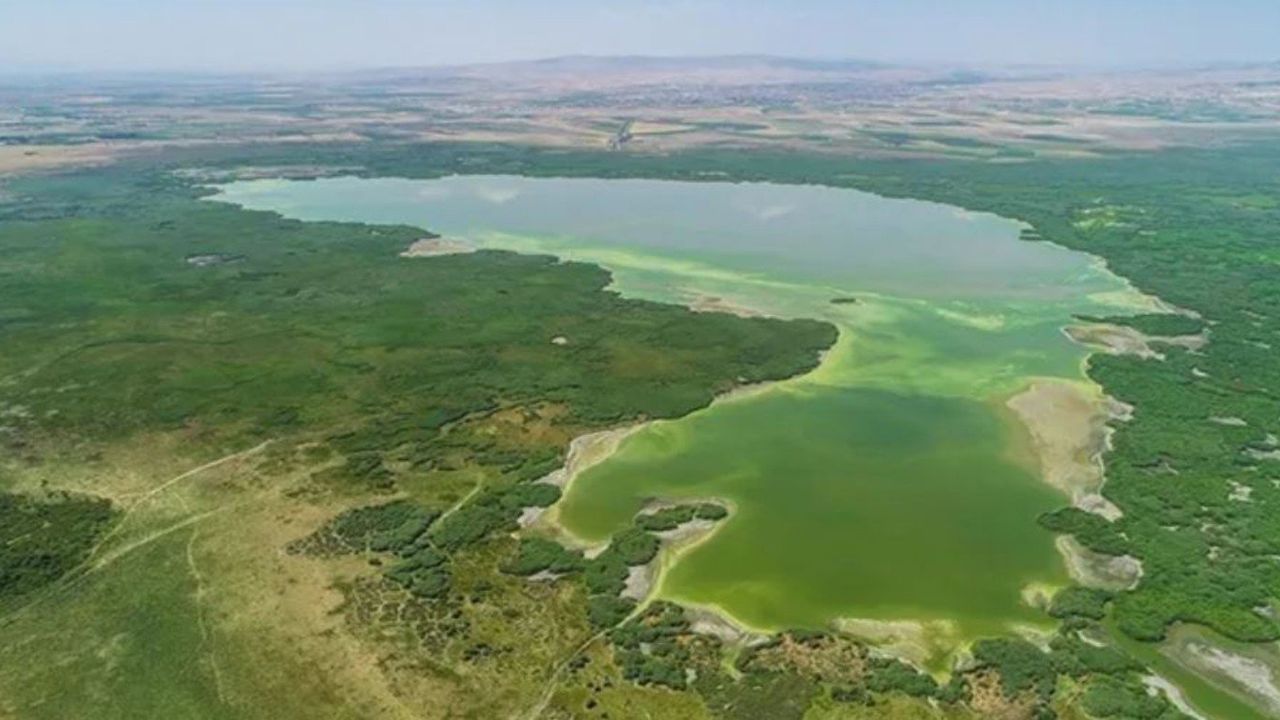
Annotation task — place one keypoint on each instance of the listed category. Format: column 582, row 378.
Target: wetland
column 893, row 485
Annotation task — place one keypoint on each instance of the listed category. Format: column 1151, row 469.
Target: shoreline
column 1068, row 422
column 713, row 618
column 928, row 644
column 585, row 451
column 591, row 449
column 1066, row 419
column 1046, row 408
column 1069, row 426
column 1073, row 466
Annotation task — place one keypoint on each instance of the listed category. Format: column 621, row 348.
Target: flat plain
column 260, row 463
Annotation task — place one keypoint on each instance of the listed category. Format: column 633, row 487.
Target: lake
column 891, row 483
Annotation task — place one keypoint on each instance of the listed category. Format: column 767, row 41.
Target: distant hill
column 645, row 69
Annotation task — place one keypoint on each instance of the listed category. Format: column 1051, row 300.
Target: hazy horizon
column 327, row 35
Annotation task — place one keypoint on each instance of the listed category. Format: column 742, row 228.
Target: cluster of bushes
column 670, row 518
column 1022, row 667
column 843, row 667
column 400, row 528
column 423, row 572
column 606, row 575
column 606, row 611
column 536, row 555
column 1093, row 531
column 1080, row 602
column 45, row 537
column 492, row 511
column 651, row 649
column 886, row 675
column 1112, row 697
column 1076, row 658
column 1157, row 325
column 1110, row 675
column 389, row 527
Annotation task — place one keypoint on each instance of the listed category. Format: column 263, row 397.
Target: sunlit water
column 888, row 484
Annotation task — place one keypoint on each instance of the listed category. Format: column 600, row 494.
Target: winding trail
column 95, row 561
column 205, row 635
column 153, row 492
column 549, row 689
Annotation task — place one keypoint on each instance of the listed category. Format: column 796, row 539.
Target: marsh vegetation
column 147, row 387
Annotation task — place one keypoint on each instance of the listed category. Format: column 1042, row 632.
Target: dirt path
column 549, row 689
column 95, row 561
column 459, row 505
column 206, row 642
column 162, row 487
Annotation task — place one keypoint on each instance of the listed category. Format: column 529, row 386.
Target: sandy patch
column 1041, row 637
column 26, row 158
column 1240, row 492
column 1067, row 421
column 654, row 127
column 987, row 698
column 1091, row 569
column 1253, row 675
column 1098, row 505
column 1171, row 691
column 639, row 582
column 220, row 176
column 914, row 641
column 529, row 516
column 433, row 247
column 588, row 450
column 992, row 322
column 1112, row 339
column 714, row 621
column 713, row 303
column 1038, row 595
column 688, row 533
column 1249, row 671
column 1123, row 340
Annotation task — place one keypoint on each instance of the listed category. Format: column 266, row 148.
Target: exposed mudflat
column 435, row 246
column 1123, row 340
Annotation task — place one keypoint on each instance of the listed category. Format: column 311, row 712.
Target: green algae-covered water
column 889, row 484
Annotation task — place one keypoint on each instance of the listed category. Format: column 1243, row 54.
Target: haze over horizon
column 292, row 35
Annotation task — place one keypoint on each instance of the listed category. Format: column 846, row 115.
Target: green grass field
column 227, row 408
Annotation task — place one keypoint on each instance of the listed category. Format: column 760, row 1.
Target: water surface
column 888, row 484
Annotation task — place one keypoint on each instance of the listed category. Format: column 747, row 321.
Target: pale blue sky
column 336, row 34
